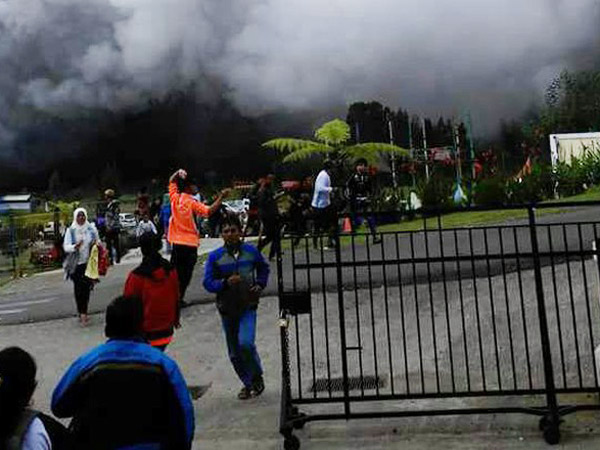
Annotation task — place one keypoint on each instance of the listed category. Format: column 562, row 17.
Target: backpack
column 57, row 432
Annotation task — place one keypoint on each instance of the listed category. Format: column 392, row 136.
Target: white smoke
column 491, row 56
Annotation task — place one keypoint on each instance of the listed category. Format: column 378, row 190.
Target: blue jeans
column 240, row 333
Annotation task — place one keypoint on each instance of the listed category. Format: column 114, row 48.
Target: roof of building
column 15, row 198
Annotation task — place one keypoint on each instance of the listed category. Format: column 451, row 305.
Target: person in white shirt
column 325, row 215
column 20, row 427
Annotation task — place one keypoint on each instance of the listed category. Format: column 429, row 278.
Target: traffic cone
column 347, row 225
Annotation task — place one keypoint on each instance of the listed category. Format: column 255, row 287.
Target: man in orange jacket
column 183, row 234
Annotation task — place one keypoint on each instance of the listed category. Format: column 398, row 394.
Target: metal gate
column 497, row 312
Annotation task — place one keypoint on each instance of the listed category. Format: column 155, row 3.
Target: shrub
column 491, row 191
column 533, row 188
column 436, row 193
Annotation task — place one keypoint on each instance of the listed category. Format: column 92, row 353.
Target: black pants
column 112, row 241
column 325, row 223
column 271, row 229
column 184, row 258
column 83, row 287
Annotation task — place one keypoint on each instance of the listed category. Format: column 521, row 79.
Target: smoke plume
column 494, row 57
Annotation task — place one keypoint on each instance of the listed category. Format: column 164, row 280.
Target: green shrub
column 532, row 188
column 491, row 191
column 436, row 193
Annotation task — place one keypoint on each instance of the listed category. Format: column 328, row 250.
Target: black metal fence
column 461, row 314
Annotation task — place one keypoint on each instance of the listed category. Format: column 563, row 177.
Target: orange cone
column 347, row 225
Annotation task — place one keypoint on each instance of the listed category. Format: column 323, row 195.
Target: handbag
column 71, row 260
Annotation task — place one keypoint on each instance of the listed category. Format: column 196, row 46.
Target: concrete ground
column 223, row 422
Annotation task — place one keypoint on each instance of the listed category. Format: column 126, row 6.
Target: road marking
column 12, row 311
column 27, row 303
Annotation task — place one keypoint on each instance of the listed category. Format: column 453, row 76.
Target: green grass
column 592, row 194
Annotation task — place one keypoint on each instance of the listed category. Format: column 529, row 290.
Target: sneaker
column 257, row 388
column 377, row 240
column 183, row 304
column 245, row 393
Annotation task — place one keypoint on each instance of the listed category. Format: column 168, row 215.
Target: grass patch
column 592, row 194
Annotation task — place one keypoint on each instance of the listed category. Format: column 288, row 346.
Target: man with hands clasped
column 237, row 273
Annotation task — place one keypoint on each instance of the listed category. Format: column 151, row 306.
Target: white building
column 16, row 202
column 565, row 147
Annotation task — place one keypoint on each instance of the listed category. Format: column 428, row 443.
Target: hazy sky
column 493, row 57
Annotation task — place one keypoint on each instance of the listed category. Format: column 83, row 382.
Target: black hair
column 232, row 221
column 327, row 164
column 150, row 243
column 124, row 318
column 17, row 383
column 361, row 162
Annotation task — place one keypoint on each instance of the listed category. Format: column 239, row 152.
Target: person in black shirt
column 360, row 190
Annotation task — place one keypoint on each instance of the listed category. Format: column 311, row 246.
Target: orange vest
column 182, row 226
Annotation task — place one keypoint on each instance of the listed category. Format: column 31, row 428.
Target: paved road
column 48, row 296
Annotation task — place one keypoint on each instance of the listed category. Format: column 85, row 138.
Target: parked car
column 127, row 220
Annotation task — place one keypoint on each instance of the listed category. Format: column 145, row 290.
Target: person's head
column 143, row 190
column 231, row 230
column 80, row 216
column 124, row 318
column 109, row 194
column 146, row 216
column 361, row 165
column 150, row 244
column 270, row 179
column 17, row 383
column 327, row 165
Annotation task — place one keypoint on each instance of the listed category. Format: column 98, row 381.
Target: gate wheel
column 291, row 443
column 550, row 430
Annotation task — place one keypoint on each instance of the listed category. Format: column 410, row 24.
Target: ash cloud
column 493, row 57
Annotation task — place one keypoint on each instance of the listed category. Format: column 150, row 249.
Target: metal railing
column 499, row 312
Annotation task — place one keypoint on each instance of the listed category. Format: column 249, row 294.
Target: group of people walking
column 105, row 391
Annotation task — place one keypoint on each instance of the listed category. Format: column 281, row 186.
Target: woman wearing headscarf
column 80, row 237
column 155, row 282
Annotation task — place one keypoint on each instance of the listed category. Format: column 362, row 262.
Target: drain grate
column 354, row 383
column 198, row 391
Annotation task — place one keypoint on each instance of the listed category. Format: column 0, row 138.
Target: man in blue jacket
column 237, row 273
column 124, row 394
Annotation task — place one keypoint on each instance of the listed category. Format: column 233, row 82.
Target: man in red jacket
column 155, row 282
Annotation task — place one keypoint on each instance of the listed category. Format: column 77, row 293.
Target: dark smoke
column 76, row 73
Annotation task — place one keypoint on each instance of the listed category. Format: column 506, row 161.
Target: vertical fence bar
column 572, row 302
column 296, row 326
column 372, row 301
column 587, row 298
column 507, row 303
column 325, row 318
column 342, row 317
column 387, row 313
column 401, row 299
column 417, row 312
column 448, row 329
column 310, row 316
column 476, row 300
column 357, row 310
column 541, row 306
column 462, row 310
column 557, row 306
column 523, row 318
column 492, row 306
column 432, row 311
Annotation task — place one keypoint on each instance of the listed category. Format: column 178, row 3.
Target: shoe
column 377, row 240
column 257, row 388
column 183, row 304
column 245, row 393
